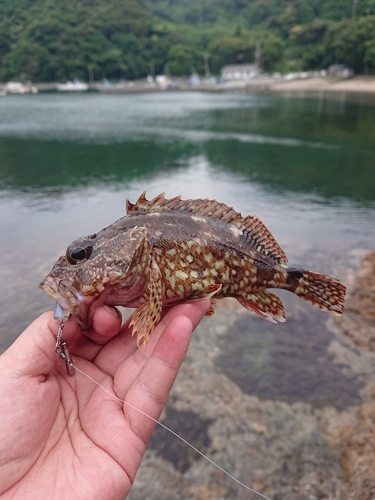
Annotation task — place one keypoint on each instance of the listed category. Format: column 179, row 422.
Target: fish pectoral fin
column 147, row 316
column 265, row 304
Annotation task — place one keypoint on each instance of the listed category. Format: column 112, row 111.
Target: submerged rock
column 359, row 321
column 356, row 440
column 294, row 417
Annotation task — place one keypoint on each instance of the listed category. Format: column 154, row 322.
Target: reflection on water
column 63, row 165
column 306, row 145
column 304, row 166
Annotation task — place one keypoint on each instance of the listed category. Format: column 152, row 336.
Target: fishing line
column 172, row 432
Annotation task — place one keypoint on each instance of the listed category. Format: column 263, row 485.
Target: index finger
column 124, row 346
column 150, row 390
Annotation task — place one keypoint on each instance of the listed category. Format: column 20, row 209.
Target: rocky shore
column 289, row 411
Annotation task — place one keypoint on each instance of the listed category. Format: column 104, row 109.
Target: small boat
column 19, row 88
column 72, row 86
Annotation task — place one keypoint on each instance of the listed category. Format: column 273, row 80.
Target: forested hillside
column 47, row 40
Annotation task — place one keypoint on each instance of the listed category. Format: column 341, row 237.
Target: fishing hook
column 62, row 349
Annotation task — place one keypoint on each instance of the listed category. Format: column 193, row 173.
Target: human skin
column 63, row 436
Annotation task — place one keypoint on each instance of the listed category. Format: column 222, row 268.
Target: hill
column 46, row 40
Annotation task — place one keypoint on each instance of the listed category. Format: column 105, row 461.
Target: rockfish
column 165, row 252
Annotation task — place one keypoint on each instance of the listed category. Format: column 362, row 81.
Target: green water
column 299, row 145
column 306, row 167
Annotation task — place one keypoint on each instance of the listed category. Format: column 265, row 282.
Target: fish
column 169, row 251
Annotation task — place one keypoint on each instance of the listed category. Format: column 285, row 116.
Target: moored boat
column 72, row 86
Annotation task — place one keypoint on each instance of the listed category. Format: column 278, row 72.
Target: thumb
column 33, row 353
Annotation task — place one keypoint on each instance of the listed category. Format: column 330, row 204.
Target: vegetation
column 46, row 40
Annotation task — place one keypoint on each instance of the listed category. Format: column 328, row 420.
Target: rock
column 288, row 411
column 355, row 441
column 358, row 323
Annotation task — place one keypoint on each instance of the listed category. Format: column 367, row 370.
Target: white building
column 239, row 71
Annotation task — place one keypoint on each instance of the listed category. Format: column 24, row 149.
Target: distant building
column 239, row 71
column 340, row 71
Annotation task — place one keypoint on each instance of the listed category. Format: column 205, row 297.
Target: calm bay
column 305, row 166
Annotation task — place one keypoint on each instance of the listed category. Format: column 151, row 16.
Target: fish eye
column 78, row 252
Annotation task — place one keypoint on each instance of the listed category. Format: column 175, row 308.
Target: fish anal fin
column 147, row 316
column 265, row 304
column 258, row 236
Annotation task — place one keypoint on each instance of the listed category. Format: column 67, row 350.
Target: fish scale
column 168, row 251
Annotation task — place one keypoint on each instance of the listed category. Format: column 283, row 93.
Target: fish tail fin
column 322, row 291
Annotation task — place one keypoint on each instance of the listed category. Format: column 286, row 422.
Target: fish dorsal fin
column 199, row 207
column 261, row 239
column 254, row 231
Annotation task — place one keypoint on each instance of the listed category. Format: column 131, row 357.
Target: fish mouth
column 68, row 299
column 50, row 286
column 71, row 302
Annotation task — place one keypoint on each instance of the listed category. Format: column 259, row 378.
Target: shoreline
column 354, row 85
column 357, row 85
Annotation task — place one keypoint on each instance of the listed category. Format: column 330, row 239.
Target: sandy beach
column 360, row 85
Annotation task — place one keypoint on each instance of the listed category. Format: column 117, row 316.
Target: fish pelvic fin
column 265, row 304
column 322, row 291
column 211, row 310
column 204, row 293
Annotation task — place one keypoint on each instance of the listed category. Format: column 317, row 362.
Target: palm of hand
column 68, row 437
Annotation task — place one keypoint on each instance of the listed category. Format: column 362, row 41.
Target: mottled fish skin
column 169, row 251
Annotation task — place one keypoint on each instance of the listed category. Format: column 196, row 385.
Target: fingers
column 143, row 380
column 150, row 390
column 106, row 324
column 113, row 355
column 33, row 353
column 167, row 343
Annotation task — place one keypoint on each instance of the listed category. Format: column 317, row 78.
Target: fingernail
column 115, row 312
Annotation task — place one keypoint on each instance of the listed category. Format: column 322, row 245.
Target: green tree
column 230, row 50
column 350, row 42
column 260, row 11
column 369, row 57
column 184, row 59
column 49, row 40
column 308, row 44
column 272, row 51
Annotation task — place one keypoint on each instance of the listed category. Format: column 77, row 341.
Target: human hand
column 65, row 437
